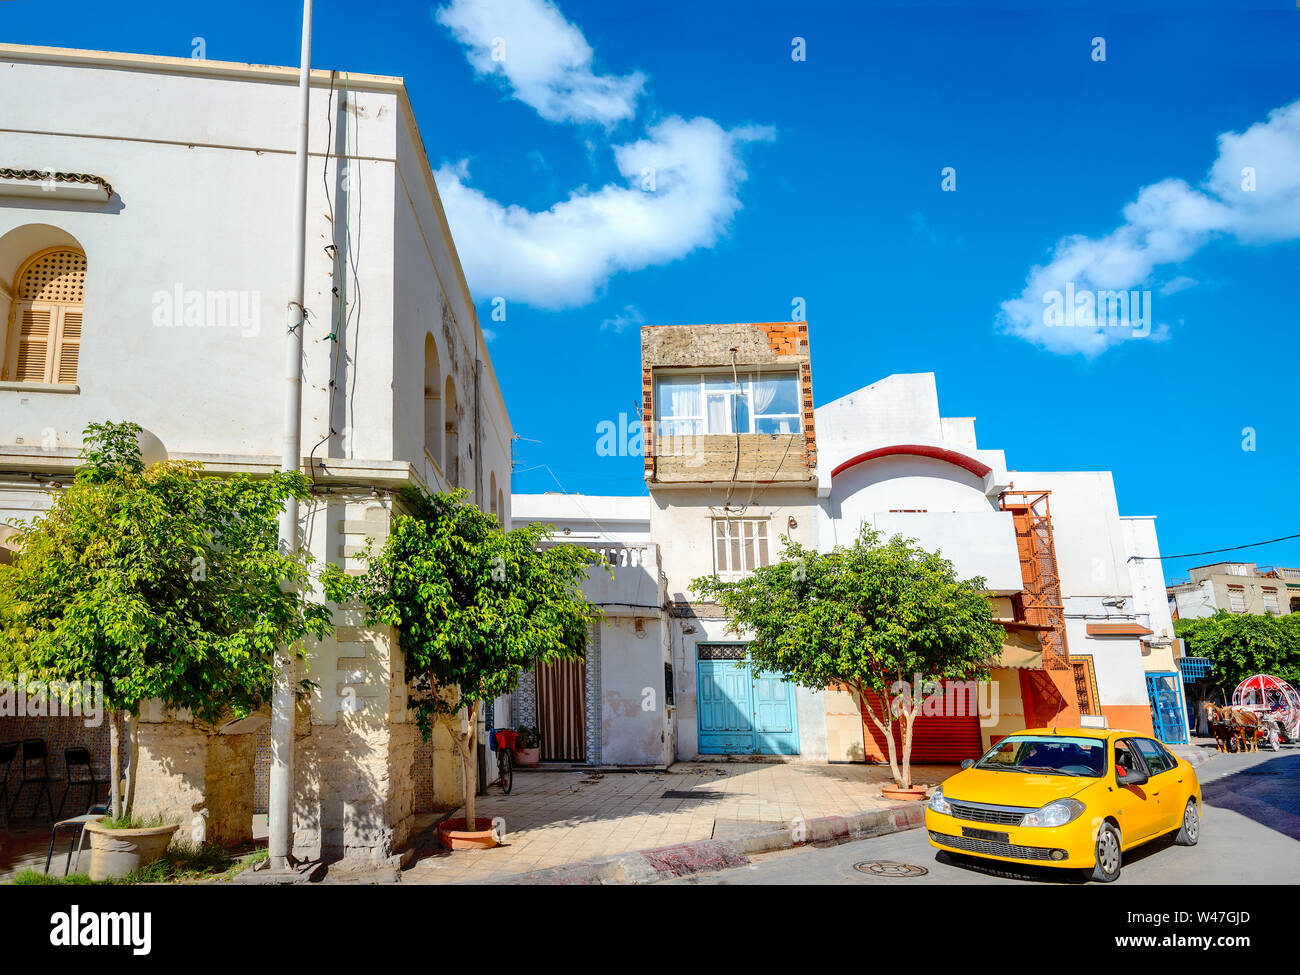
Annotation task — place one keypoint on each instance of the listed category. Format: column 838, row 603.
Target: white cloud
column 630, row 315
column 544, row 59
column 559, row 258
column 1175, row 285
column 1166, row 224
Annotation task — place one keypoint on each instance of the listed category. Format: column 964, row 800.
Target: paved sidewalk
column 556, row 819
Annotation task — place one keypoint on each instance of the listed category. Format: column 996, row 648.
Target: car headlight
column 1056, row 813
column 938, row 803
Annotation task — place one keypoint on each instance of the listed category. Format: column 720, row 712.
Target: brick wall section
column 759, row 344
column 647, row 417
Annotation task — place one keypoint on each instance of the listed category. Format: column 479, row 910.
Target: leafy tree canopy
column 1242, row 644
column 157, row 582
column 872, row 615
column 866, row 615
column 473, row 604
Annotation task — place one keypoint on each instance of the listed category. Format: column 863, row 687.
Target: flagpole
column 283, row 702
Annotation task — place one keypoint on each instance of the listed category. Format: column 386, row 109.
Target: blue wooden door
column 775, row 721
column 725, row 708
column 740, row 714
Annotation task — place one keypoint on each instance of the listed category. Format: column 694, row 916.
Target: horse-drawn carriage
column 1264, row 709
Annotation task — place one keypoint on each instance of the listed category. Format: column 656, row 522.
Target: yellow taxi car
column 1066, row 797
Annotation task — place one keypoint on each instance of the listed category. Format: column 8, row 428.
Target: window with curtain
column 45, row 320
column 720, row 403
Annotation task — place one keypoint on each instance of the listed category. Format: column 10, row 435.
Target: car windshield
column 1048, row 754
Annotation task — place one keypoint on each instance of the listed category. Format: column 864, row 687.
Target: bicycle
column 503, row 743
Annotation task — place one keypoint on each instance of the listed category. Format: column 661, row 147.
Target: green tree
column 873, row 616
column 472, row 605
column 1242, row 644
column 156, row 582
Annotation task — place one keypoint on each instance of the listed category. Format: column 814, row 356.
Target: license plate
column 985, row 834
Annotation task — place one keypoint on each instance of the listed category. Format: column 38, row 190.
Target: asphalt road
column 1250, row 834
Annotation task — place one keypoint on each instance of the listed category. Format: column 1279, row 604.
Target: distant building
column 1237, row 587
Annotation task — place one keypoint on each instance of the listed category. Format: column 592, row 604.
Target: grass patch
column 183, row 862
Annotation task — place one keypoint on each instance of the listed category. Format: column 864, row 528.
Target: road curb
column 708, row 856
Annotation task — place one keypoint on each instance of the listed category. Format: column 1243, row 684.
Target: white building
column 615, row 706
column 145, row 258
column 1052, row 547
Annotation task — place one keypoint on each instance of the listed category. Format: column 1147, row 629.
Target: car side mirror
column 967, row 763
column 1132, row 777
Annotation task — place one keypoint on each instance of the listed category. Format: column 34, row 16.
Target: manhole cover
column 888, row 868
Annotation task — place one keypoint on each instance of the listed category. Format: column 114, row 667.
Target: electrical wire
column 1213, row 551
column 329, row 204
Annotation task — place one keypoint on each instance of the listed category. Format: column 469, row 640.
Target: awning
column 1118, row 629
column 1022, row 647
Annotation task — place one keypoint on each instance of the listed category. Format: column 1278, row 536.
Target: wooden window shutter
column 35, row 335
column 68, row 349
column 47, row 316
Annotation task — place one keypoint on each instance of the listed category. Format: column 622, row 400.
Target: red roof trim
column 918, row 450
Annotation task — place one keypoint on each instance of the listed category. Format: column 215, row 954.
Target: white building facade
column 145, row 257
column 1076, row 585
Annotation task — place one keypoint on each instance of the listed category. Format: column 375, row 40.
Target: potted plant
column 124, row 845
column 154, row 583
column 473, row 605
column 884, row 618
column 528, row 745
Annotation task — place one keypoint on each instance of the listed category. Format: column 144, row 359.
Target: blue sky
column 821, row 179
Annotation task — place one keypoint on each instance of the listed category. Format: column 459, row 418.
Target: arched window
column 451, row 466
column 45, row 319
column 501, row 507
column 432, row 400
column 492, row 496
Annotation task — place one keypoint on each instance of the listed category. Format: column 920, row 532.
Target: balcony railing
column 637, row 581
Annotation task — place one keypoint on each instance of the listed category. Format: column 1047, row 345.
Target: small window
column 1236, row 599
column 45, row 320
column 721, row 651
column 725, row 403
column 1271, row 602
column 739, row 545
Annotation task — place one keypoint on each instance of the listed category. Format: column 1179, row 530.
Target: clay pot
column 528, row 756
column 454, row 836
column 916, row 793
column 117, row 852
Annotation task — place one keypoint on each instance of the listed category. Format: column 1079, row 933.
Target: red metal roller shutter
column 937, row 739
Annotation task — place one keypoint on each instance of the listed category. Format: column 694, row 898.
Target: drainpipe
column 282, row 700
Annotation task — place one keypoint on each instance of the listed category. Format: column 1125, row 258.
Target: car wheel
column 1108, row 855
column 1190, row 831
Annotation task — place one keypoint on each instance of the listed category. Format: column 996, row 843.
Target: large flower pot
column 916, row 793
column 454, row 836
column 118, row 852
column 528, row 756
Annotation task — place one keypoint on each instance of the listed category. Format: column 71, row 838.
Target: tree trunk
column 469, row 762
column 908, row 720
column 114, row 768
column 886, row 728
column 133, row 760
